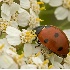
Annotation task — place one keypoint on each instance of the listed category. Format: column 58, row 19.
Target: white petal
column 14, row 24
column 13, row 8
column 11, row 53
column 12, row 31
column 61, row 13
column 13, row 66
column 46, row 1
column 13, row 40
column 25, row 4
column 67, row 32
column 57, row 58
column 66, row 66
column 5, row 17
column 23, row 18
column 20, row 10
column 5, row 9
column 57, row 65
column 54, row 3
column 41, row 57
column 54, row 58
column 36, row 60
column 35, row 49
column 69, row 16
column 6, row 62
column 27, row 50
column 4, row 41
column 28, row 66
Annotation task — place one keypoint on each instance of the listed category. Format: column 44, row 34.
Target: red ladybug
column 53, row 38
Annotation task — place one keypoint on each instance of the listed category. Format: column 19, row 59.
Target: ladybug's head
column 39, row 29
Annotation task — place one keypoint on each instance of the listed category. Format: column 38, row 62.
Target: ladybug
column 53, row 38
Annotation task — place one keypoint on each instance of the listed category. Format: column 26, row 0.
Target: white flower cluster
column 17, row 49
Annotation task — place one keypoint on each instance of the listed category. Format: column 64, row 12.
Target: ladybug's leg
column 38, row 42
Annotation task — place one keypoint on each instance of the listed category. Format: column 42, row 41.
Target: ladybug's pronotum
column 53, row 38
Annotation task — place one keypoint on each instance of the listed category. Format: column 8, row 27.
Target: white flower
column 13, row 36
column 14, row 24
column 63, row 10
column 23, row 18
column 4, row 46
column 53, row 2
column 34, row 20
column 27, row 50
column 5, row 43
column 36, row 60
column 56, row 60
column 5, row 9
column 31, row 49
column 39, row 63
column 5, row 12
column 7, row 62
column 61, row 13
column 35, row 6
column 13, row 54
column 66, row 66
column 14, row 7
column 4, row 24
column 25, row 4
column 8, row 10
column 66, row 60
column 67, row 32
column 29, row 66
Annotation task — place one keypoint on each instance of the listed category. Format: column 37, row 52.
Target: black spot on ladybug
column 60, row 48
column 56, row 35
column 38, row 29
column 46, row 40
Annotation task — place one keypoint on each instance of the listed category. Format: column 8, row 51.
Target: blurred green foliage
column 50, row 19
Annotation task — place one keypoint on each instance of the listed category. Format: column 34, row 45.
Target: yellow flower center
column 46, row 61
column 38, row 19
column 50, row 66
column 43, row 8
column 37, row 54
column 66, row 3
column 28, row 36
column 18, row 59
column 2, row 46
column 3, row 26
column 40, row 2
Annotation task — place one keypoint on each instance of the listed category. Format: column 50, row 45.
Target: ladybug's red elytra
column 53, row 38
